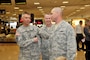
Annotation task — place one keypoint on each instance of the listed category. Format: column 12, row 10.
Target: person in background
column 62, row 40
column 87, row 39
column 18, row 24
column 45, row 32
column 79, row 35
column 28, row 40
column 4, row 29
column 8, row 29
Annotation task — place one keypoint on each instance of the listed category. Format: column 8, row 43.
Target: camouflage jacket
column 44, row 33
column 28, row 48
column 63, row 42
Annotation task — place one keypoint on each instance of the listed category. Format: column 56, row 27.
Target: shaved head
column 57, row 10
column 25, row 13
column 56, row 14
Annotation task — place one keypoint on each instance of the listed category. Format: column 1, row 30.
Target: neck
column 48, row 25
column 59, row 19
column 25, row 25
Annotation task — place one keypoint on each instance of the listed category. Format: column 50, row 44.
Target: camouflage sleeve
column 43, row 33
column 71, row 44
column 39, row 38
column 22, row 41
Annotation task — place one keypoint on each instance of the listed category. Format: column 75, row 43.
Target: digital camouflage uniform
column 45, row 32
column 29, row 50
column 63, row 42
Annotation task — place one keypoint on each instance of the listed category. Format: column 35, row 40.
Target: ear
column 21, row 20
column 30, row 20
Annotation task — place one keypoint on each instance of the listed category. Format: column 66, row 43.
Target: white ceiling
column 69, row 11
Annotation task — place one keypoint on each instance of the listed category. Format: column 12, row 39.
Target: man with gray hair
column 62, row 40
column 27, row 39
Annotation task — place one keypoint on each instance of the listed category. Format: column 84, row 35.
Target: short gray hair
column 47, row 14
column 25, row 13
column 57, row 10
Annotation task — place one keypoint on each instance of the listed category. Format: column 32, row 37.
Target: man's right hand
column 35, row 39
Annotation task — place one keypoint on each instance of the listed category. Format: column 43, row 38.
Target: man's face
column 47, row 19
column 26, row 19
column 54, row 16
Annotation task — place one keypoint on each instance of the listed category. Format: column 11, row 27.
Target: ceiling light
column 36, row 3
column 16, row 7
column 82, row 8
column 7, row 12
column 20, row 10
column 39, row 7
column 64, row 2
column 77, row 10
column 14, row 14
column 87, row 5
column 62, row 6
column 5, row 3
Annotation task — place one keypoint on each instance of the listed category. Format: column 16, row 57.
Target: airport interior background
column 11, row 10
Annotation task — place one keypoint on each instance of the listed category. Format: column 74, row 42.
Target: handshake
column 44, row 35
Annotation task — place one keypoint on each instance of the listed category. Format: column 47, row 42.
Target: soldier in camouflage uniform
column 28, row 40
column 62, row 41
column 45, row 32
